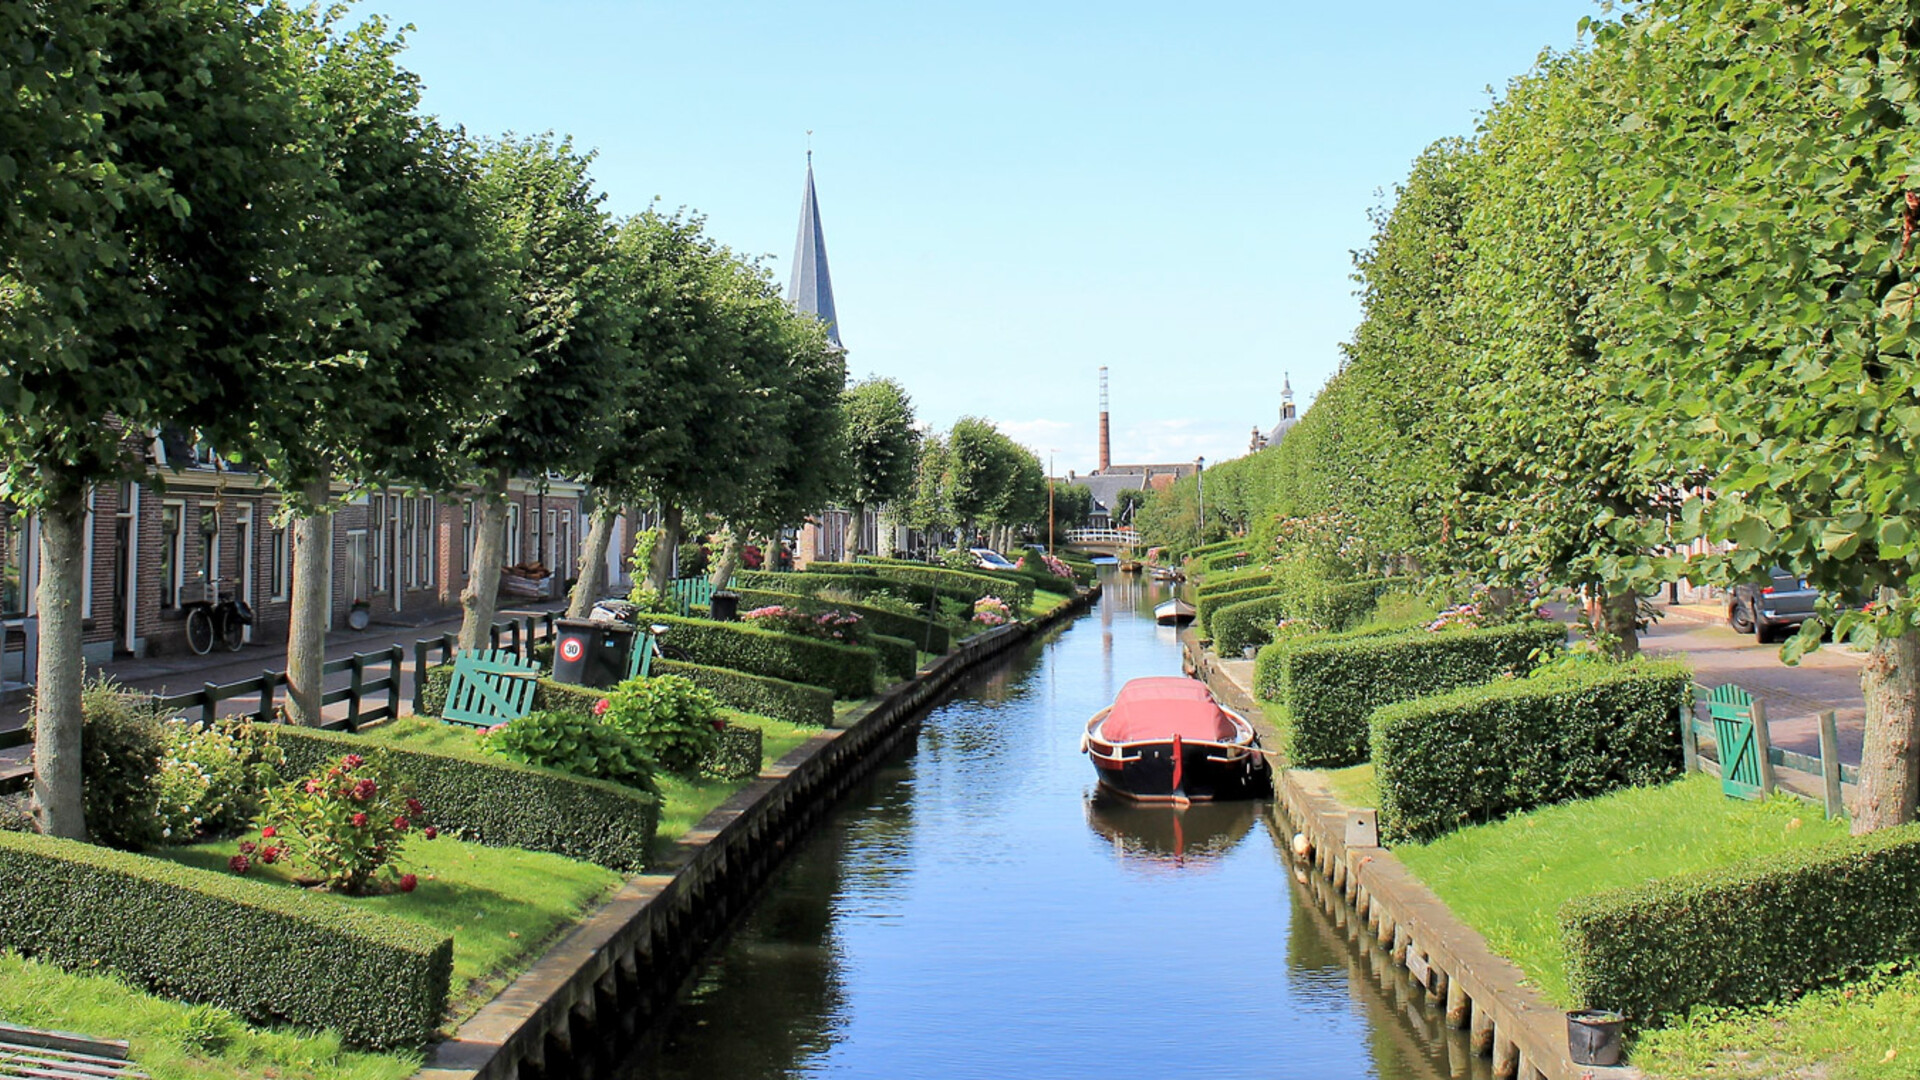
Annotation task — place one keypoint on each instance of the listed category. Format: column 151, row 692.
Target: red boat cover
column 1159, row 708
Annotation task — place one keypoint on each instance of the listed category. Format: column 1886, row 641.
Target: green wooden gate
column 489, row 686
column 1733, row 732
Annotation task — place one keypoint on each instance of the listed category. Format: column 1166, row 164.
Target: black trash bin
column 725, row 606
column 587, row 653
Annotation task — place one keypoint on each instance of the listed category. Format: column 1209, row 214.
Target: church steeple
column 811, row 288
column 1286, row 397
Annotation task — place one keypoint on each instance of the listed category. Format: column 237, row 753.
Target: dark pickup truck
column 1768, row 610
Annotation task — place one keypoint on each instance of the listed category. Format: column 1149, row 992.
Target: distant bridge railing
column 1103, row 537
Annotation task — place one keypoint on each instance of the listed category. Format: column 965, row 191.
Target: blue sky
column 1016, row 194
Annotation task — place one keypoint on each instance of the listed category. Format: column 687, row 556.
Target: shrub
column 576, row 742
column 958, row 559
column 882, row 614
column 16, row 814
column 1041, row 581
column 736, row 755
column 1231, row 580
column 796, row 703
column 501, row 804
column 267, row 952
column 847, row 671
column 1747, row 935
column 1232, row 559
column 830, row 624
column 1017, row 589
column 859, row 581
column 341, row 826
column 1207, row 606
column 1331, row 684
column 898, row 656
column 674, row 722
column 121, row 745
column 1482, row 752
column 212, row 776
column 1232, row 543
column 1246, row 622
column 991, row 611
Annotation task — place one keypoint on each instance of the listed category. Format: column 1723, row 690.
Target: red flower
column 246, row 847
column 402, row 824
column 600, row 707
column 239, row 864
column 359, row 821
column 414, row 807
column 432, row 832
column 353, row 761
column 719, row 725
column 408, row 882
column 365, row 790
column 269, row 853
column 313, row 787
column 269, row 832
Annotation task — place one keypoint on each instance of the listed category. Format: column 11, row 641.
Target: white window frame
column 424, row 533
column 86, row 560
column 179, row 583
column 280, row 583
column 377, row 527
column 513, row 534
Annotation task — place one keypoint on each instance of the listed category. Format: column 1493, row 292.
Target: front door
column 243, row 560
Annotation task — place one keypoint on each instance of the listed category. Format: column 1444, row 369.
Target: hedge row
column 1011, row 588
column 1747, row 935
column 1207, row 606
column 1236, row 543
column 1039, row 580
column 812, row 582
column 1246, row 622
column 931, row 636
column 270, row 953
column 737, row 757
column 1330, row 687
column 899, row 657
column 1483, row 752
column 1232, row 559
column 1236, row 579
column 778, row 699
column 501, row 803
column 847, row 671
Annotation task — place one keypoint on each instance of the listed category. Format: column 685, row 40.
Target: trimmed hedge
column 1237, row 579
column 1330, row 684
column 737, row 757
column 761, row 695
column 973, row 585
column 501, row 803
column 268, row 952
column 1207, row 606
column 847, row 671
column 1246, row 622
column 811, row 582
column 932, row 636
column 1231, row 559
column 1480, row 753
column 1040, row 581
column 899, row 657
column 1236, row 543
column 1342, row 606
column 1747, row 935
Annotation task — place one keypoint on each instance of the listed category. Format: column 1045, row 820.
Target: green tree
column 143, row 273
column 881, row 446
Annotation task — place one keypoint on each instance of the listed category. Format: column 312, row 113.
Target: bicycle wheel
column 200, row 631
column 671, row 652
column 233, row 632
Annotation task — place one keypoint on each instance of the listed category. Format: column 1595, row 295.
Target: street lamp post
column 1050, row 550
column 1200, row 481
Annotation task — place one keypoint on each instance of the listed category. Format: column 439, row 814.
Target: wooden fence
column 1757, row 771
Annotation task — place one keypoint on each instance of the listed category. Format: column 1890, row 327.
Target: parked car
column 1767, row 610
column 989, row 559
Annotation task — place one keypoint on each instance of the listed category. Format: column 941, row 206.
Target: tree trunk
column 482, row 594
column 856, row 531
column 592, row 581
column 307, row 615
column 729, row 560
column 662, row 574
column 1889, row 782
column 58, row 806
column 1619, row 612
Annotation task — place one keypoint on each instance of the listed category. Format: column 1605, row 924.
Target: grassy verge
column 1509, row 879
column 1354, row 785
column 1866, row 1031
column 501, row 906
column 1045, row 603
column 684, row 802
column 175, row 1041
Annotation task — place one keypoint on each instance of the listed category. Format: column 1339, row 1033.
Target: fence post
column 493, row 637
column 209, row 707
column 1689, row 741
column 269, row 680
column 396, row 663
column 1830, row 763
column 356, row 677
column 1763, row 747
column 449, row 645
column 528, row 619
column 420, row 650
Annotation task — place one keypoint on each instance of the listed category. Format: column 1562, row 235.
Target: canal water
column 974, row 911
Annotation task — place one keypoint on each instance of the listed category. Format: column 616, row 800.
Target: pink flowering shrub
column 992, row 611
column 832, row 625
column 1053, row 563
column 341, row 827
column 1457, row 617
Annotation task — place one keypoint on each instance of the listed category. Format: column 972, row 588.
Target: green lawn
column 1509, row 879
column 175, row 1041
column 501, row 906
column 685, row 802
column 1354, row 785
column 1045, row 602
column 1867, row 1031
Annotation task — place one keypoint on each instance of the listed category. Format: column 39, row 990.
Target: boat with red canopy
column 1165, row 739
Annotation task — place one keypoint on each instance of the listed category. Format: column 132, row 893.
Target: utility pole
column 1200, row 481
column 1050, row 502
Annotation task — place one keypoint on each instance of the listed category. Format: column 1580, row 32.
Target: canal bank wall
column 1483, row 993
column 581, row 1009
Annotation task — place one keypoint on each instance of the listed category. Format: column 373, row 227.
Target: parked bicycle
column 218, row 618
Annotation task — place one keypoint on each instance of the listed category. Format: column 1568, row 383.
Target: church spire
column 811, row 288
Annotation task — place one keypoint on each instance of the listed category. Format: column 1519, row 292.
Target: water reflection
column 970, row 912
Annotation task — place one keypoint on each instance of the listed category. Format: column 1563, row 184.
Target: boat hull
column 1149, row 777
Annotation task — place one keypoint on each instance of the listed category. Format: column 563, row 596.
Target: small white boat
column 1173, row 612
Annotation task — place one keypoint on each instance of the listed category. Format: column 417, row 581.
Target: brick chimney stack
column 1106, row 446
